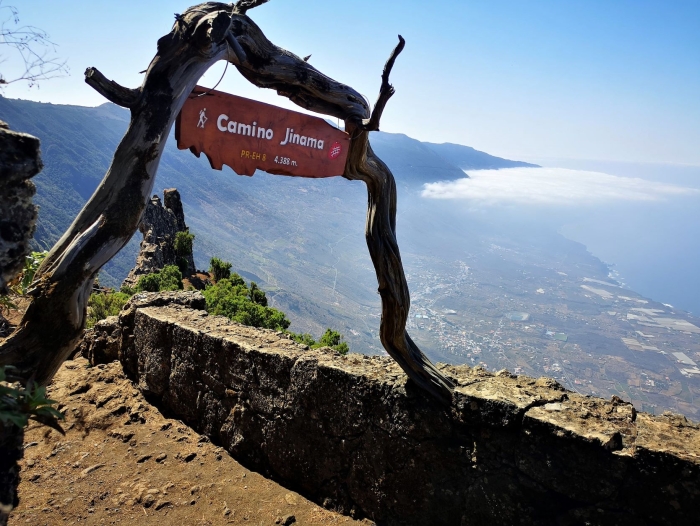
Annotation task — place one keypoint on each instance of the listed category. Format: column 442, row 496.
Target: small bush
column 330, row 338
column 236, row 279
column 19, row 286
column 220, row 269
column 104, row 304
column 333, row 339
column 256, row 294
column 183, row 265
column 183, row 243
column 6, row 304
column 183, row 250
column 231, row 298
column 128, row 290
column 149, row 283
column 304, row 338
column 170, row 278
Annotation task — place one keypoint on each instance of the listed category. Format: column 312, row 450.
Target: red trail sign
column 248, row 135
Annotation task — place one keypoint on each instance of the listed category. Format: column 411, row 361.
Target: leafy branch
column 19, row 404
column 22, row 283
column 19, row 286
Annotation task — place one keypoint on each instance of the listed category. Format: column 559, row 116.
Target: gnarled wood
column 201, row 36
column 55, row 319
column 110, row 90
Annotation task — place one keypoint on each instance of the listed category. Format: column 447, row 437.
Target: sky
column 612, row 80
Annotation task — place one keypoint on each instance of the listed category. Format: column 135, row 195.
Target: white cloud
column 559, row 186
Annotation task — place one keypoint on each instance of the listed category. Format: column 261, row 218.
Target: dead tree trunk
column 200, row 37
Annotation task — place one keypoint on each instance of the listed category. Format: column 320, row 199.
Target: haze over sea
column 641, row 219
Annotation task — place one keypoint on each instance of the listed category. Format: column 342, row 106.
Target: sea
column 653, row 246
column 642, row 220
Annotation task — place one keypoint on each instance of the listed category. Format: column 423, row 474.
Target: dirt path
column 122, row 462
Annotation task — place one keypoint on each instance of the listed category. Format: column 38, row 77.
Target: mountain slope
column 413, row 162
column 77, row 147
column 468, row 158
column 468, row 267
column 302, row 238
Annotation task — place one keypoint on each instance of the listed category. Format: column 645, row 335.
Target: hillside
column 468, row 158
column 468, row 268
column 266, row 225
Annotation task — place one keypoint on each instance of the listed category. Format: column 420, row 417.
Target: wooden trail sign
column 248, row 135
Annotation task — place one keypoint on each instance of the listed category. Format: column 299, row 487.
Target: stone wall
column 352, row 434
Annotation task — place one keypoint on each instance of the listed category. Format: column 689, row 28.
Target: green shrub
column 149, row 283
column 236, row 279
column 6, row 304
column 219, row 269
column 31, row 265
column 342, row 348
column 256, row 294
column 304, row 339
column 170, row 278
column 183, row 265
column 183, row 249
column 183, row 243
column 333, row 339
column 330, row 338
column 128, row 290
column 231, row 298
column 20, row 285
column 104, row 304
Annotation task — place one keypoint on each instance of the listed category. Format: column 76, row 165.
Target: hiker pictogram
column 202, row 118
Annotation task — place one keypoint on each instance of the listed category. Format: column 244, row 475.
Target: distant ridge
column 413, row 162
column 468, row 158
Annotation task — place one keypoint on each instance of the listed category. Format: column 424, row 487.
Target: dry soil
column 123, row 462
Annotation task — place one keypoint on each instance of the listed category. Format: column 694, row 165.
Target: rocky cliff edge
column 351, row 433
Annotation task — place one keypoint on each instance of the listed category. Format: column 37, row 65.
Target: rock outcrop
column 351, row 432
column 159, row 225
column 110, row 339
column 20, row 160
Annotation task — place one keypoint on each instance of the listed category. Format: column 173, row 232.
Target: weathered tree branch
column 237, row 49
column 110, row 90
column 269, row 66
column 244, row 5
column 55, row 318
column 385, row 91
column 201, row 36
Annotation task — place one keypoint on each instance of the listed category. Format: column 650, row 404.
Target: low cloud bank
column 546, row 186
